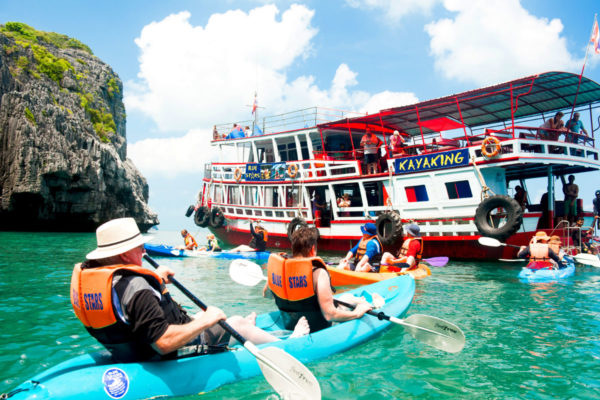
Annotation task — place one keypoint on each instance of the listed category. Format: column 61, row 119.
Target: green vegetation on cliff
column 19, row 30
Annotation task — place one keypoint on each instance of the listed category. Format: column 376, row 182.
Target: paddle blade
column 587, row 259
column 490, row 242
column 246, row 272
column 436, row 332
column 288, row 376
column 436, row 261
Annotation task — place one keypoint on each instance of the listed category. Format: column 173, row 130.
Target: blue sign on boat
column 265, row 172
column 446, row 159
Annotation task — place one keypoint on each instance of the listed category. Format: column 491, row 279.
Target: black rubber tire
column 202, row 217
column 296, row 223
column 217, row 219
column 189, row 211
column 514, row 217
column 389, row 228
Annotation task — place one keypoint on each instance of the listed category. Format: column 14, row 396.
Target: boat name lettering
column 265, row 172
column 93, row 301
column 454, row 158
column 276, row 279
column 298, row 281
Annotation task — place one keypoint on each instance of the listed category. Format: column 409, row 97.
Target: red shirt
column 413, row 248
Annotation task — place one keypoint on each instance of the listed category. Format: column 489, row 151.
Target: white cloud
column 192, row 77
column 494, row 41
column 394, row 10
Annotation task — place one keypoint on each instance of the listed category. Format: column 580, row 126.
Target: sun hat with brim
column 116, row 237
column 413, row 229
column 541, row 236
column 369, row 229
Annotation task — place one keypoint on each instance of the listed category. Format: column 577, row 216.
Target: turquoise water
column 535, row 341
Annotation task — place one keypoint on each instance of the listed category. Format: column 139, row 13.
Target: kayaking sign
column 265, row 172
column 426, row 162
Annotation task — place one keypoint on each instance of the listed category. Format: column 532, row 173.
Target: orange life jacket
column 405, row 247
column 539, row 252
column 190, row 242
column 362, row 249
column 291, row 281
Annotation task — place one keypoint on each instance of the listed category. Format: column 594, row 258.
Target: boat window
column 218, row 196
column 251, row 195
column 374, row 192
column 304, row 148
column 271, row 197
column 234, row 194
column 458, row 190
column 416, row 193
column 288, row 151
column 291, row 197
column 354, row 197
column 315, row 138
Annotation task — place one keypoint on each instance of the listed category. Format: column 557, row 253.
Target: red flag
column 595, row 39
column 254, row 105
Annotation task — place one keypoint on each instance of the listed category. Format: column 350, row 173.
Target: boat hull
column 95, row 377
column 340, row 277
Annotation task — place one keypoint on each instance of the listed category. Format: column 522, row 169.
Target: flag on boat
column 255, row 104
column 595, row 39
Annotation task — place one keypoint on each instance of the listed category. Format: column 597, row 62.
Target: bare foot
column 251, row 318
column 301, row 328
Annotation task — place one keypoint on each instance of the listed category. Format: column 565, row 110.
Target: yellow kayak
column 342, row 277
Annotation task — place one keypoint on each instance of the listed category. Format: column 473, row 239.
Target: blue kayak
column 545, row 274
column 94, row 376
column 162, row 250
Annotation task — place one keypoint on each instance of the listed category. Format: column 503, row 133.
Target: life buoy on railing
column 237, row 175
column 292, row 170
column 494, row 143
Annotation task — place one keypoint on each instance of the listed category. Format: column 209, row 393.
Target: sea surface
column 534, row 341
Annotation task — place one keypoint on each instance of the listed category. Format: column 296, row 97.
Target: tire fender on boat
column 237, row 174
column 217, row 218
column 292, row 170
column 295, row 223
column 202, row 217
column 389, row 227
column 189, row 211
column 488, row 142
column 513, row 219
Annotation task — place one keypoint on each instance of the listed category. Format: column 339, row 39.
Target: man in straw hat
column 539, row 252
column 409, row 255
column 128, row 309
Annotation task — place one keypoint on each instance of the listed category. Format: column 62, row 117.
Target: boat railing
column 264, row 213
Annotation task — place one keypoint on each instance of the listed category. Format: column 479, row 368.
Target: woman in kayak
column 307, row 291
column 258, row 241
column 539, row 252
column 128, row 309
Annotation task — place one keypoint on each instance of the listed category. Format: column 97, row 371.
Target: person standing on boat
column 576, row 126
column 539, row 252
column 571, row 191
column 366, row 254
column 212, row 245
column 190, row 242
column 128, row 309
column 397, row 144
column 554, row 124
column 318, row 208
column 258, row 241
column 409, row 254
column 596, row 203
column 521, row 197
column 370, row 144
column 310, row 293
column 344, row 202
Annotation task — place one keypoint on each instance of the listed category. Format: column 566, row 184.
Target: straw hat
column 117, row 237
column 541, row 236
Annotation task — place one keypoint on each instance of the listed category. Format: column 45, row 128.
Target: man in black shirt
column 258, row 241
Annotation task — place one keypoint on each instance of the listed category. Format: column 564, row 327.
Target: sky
column 188, row 65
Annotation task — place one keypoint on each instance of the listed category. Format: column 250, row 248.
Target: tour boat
column 451, row 176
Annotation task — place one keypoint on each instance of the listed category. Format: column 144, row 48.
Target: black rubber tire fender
column 295, row 223
column 514, row 217
column 189, row 211
column 217, row 218
column 202, row 217
column 389, row 227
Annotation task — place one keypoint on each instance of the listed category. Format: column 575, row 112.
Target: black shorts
column 370, row 158
column 212, row 340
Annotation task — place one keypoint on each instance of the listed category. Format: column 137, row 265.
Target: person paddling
column 307, row 291
column 366, row 254
column 258, row 241
column 539, row 252
column 190, row 242
column 128, row 309
column 409, row 255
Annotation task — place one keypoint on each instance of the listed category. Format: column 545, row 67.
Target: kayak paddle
column 288, row 376
column 436, row 332
column 587, row 259
column 491, row 242
column 436, row 261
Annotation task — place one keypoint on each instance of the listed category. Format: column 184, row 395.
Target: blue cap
column 414, row 230
column 369, row 229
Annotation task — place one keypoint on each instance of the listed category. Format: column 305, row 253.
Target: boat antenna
column 594, row 38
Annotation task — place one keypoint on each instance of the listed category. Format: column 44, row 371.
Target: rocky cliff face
column 63, row 156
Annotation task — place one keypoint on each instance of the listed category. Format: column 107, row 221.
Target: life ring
column 202, row 217
column 389, row 227
column 237, row 175
column 292, row 170
column 217, row 219
column 488, row 225
column 490, row 141
column 295, row 223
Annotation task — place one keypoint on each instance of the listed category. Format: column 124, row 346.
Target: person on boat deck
column 409, row 254
column 190, row 242
column 213, row 244
column 366, row 254
column 397, row 144
column 596, row 203
column 318, row 208
column 554, row 124
column 571, row 191
column 258, row 241
column 344, row 202
column 236, row 133
column 576, row 126
column 370, row 144
column 313, row 299
column 128, row 309
column 216, row 135
column 539, row 250
column 521, row 197
column 582, row 237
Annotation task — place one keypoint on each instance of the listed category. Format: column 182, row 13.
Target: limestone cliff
column 63, row 151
